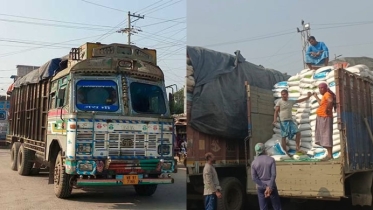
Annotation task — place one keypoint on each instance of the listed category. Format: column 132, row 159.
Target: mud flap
column 52, row 163
column 360, row 184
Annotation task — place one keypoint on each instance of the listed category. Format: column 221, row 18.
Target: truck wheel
column 25, row 160
column 62, row 187
column 145, row 190
column 13, row 155
column 232, row 194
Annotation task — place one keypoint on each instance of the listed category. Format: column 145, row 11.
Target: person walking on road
column 212, row 189
column 263, row 173
column 324, row 119
column 287, row 125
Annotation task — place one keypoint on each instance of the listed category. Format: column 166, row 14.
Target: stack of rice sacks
column 305, row 113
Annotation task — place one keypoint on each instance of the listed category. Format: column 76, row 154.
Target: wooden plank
column 312, row 180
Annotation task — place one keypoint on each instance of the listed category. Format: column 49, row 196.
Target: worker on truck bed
column 212, row 189
column 317, row 53
column 287, row 125
column 324, row 119
column 263, row 173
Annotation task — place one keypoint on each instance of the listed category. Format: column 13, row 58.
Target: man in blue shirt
column 317, row 53
column 263, row 173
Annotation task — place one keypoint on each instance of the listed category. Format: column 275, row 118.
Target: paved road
column 19, row 192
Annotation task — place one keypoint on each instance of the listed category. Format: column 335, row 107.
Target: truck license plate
column 130, row 179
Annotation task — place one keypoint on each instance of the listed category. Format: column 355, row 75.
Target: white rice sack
column 306, row 74
column 357, row 69
column 337, row 148
column 313, row 111
column 313, row 117
column 283, row 84
column 293, row 83
column 304, row 105
column 276, row 130
column 290, row 142
column 330, row 75
column 278, row 90
column 315, row 105
column 294, row 95
column 336, row 132
column 190, row 70
column 276, row 136
column 302, row 115
column 336, row 155
column 304, row 71
column 336, row 142
column 300, row 157
column 281, row 157
column 307, row 145
column 306, row 85
column 307, row 133
column 321, row 155
column 190, row 81
column 303, row 110
column 309, row 81
column 303, row 121
column 277, row 94
column 336, row 137
column 367, row 75
column 313, row 124
column 276, row 149
column 294, row 89
column 292, row 147
column 330, row 80
column 277, row 125
column 294, row 78
column 306, row 139
column 304, row 127
column 322, row 72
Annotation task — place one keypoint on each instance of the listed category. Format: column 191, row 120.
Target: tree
column 178, row 106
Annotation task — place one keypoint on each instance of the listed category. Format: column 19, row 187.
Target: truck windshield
column 147, row 98
column 97, row 95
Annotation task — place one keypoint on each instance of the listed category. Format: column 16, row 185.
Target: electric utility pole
column 130, row 30
column 305, row 32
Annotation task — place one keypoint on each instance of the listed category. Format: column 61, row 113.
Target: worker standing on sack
column 287, row 125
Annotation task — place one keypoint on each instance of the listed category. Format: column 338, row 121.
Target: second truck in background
column 348, row 176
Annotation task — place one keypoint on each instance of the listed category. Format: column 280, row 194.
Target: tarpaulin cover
column 219, row 98
column 46, row 71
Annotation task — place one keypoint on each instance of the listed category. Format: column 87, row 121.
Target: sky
column 33, row 32
column 265, row 31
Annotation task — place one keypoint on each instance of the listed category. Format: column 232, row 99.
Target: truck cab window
column 97, row 95
column 147, row 98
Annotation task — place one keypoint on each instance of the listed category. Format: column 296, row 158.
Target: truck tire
column 62, row 187
column 13, row 155
column 145, row 190
column 233, row 194
column 25, row 160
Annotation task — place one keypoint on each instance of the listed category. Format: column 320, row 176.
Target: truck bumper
column 119, row 182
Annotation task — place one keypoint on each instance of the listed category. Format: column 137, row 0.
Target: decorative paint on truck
column 107, row 121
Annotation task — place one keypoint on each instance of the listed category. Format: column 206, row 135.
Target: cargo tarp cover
column 44, row 72
column 219, row 98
